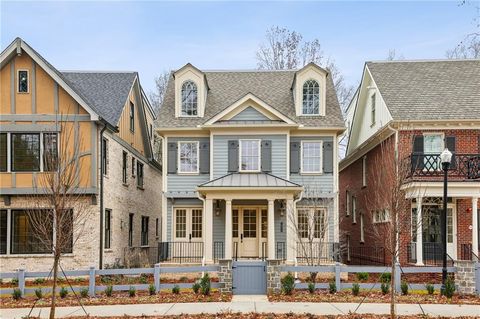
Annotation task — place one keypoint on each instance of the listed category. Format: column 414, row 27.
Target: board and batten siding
column 250, row 114
column 220, row 153
column 322, row 183
column 188, row 182
column 178, row 203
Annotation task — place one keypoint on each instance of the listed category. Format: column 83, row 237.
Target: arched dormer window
column 311, row 98
column 189, row 99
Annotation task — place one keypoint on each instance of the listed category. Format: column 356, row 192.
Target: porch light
column 446, row 156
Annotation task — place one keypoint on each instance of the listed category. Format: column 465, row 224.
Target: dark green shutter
column 266, row 156
column 417, row 154
column 232, row 156
column 204, row 157
column 328, row 157
column 172, row 150
column 295, row 157
column 450, row 144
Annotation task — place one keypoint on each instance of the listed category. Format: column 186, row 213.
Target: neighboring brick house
column 247, row 155
column 113, row 124
column 413, row 109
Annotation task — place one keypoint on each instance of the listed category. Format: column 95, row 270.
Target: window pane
column 188, row 157
column 23, row 81
column 130, row 230
column 249, row 223
column 25, row 152
column 303, row 223
column 3, row 232
column 311, row 97
column 108, row 234
column 235, row 223
column 196, row 223
column 250, row 154
column 311, row 157
column 264, row 223
column 50, row 151
column 145, row 222
column 319, row 223
column 189, row 99
column 3, row 152
column 27, row 239
column 181, row 223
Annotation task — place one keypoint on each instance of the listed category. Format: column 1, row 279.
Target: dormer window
column 189, row 99
column 311, row 98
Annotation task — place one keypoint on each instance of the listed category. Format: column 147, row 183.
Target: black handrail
column 180, row 252
column 465, row 166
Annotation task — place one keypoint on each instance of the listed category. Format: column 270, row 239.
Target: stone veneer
column 273, row 276
column 225, row 276
column 466, row 275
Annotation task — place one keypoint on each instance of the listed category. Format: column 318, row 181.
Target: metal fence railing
column 432, row 254
column 218, row 251
column 180, row 252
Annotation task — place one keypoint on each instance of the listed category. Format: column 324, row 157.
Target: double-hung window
column 249, row 155
column 139, row 174
column 433, row 145
column 144, row 235
column 188, row 224
column 108, row 229
column 124, row 167
column 188, row 157
column 311, row 157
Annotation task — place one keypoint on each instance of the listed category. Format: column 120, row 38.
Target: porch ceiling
column 435, row 189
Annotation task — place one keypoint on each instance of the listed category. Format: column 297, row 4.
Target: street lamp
column 446, row 158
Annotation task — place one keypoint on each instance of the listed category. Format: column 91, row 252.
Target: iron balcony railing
column 180, row 252
column 432, row 254
column 462, row 166
column 317, row 252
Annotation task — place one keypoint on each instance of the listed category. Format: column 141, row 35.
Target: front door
column 432, row 232
column 249, row 234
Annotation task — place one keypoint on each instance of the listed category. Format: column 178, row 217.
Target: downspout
column 202, row 198
column 100, row 259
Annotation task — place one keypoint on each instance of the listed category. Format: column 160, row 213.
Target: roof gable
column 250, row 113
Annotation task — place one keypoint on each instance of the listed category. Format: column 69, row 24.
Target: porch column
column 419, row 227
column 271, row 229
column 208, row 250
column 228, row 229
column 475, row 225
column 291, row 232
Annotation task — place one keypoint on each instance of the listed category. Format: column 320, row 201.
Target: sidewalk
column 257, row 305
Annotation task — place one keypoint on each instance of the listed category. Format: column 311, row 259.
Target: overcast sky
column 149, row 37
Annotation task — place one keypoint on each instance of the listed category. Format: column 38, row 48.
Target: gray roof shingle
column 106, row 92
column 249, row 180
column 272, row 87
column 429, row 90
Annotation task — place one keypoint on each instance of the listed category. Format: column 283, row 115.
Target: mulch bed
column 230, row 315
column 373, row 296
column 118, row 298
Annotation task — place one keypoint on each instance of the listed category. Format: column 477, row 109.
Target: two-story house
column 250, row 162
column 106, row 116
column 407, row 113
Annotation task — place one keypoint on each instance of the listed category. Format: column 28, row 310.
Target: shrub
column 151, row 289
column 196, row 287
column 362, row 276
column 63, row 292
column 449, row 288
column 105, row 279
column 132, row 291
column 109, row 291
column 430, row 288
column 205, row 284
column 80, row 279
column 355, row 289
column 288, row 284
column 16, row 294
column 332, row 287
column 39, row 281
column 84, row 292
column 311, row 287
column 14, row 281
column 404, row 288
column 39, row 293
column 385, row 287
column 386, row 277
column 183, row 279
column 176, row 290
column 143, row 279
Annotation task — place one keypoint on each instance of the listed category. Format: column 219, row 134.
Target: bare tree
column 284, row 49
column 394, row 55
column 469, row 47
column 61, row 208
column 156, row 97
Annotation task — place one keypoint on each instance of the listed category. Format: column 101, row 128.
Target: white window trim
column 354, row 209
column 373, row 109
column 320, row 106
column 188, row 224
column 310, row 219
column 442, row 148
column 259, row 156
column 179, row 171
column 18, row 81
column 348, row 202
column 198, row 100
column 320, row 172
column 364, row 171
column 362, row 230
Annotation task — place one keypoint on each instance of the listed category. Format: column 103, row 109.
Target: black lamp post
column 446, row 158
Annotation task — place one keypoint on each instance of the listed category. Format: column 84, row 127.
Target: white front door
column 249, row 232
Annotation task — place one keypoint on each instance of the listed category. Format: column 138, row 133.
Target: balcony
column 464, row 167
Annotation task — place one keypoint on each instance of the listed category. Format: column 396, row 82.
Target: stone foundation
column 225, row 276
column 466, row 275
column 273, row 276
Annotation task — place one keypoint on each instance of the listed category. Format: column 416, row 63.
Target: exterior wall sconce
column 217, row 208
column 281, row 208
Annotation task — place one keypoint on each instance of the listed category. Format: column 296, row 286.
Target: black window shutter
column 450, row 144
column 417, row 154
column 172, row 158
column 294, row 157
column 266, row 154
column 233, row 156
column 328, row 157
column 204, row 157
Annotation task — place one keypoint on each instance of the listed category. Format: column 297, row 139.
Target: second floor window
column 189, row 99
column 311, row 98
column 3, row 152
column 249, row 155
column 144, row 235
column 25, row 152
column 139, row 174
column 50, row 151
column 132, row 117
column 311, row 157
column 124, row 167
column 188, row 157
column 105, row 156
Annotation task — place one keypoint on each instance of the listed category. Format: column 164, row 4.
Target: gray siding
column 280, row 227
column 186, row 183
column 316, row 184
column 178, row 203
column 250, row 114
column 219, row 225
column 220, row 155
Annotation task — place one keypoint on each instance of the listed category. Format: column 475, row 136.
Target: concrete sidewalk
column 259, row 306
